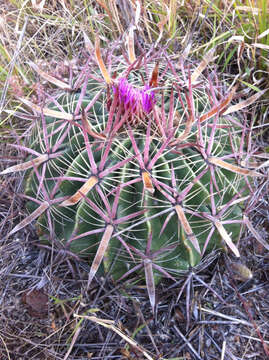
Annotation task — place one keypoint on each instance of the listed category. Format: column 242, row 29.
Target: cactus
column 144, row 176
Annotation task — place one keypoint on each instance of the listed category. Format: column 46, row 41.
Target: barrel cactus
column 140, row 172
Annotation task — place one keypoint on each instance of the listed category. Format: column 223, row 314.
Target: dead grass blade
column 26, row 165
column 87, row 43
column 110, row 324
column 236, row 201
column 103, row 5
column 255, row 233
column 225, row 236
column 100, row 61
column 43, row 207
column 6, row 348
column 74, row 339
column 261, row 46
column 12, row 65
column 234, row 168
column 219, row 108
column 48, row 112
column 137, row 12
column 163, row 21
column 130, row 45
column 224, row 316
column 188, row 343
column 244, row 103
column 263, row 34
column 51, row 79
column 203, row 64
column 185, row 133
column 253, row 10
column 38, row 5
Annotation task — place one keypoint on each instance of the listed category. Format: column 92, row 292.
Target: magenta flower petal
column 134, row 99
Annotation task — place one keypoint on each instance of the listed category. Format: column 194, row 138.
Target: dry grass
column 213, row 312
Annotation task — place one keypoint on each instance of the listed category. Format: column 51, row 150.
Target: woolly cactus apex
column 140, row 178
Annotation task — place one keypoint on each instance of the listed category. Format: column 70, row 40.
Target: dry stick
column 12, row 64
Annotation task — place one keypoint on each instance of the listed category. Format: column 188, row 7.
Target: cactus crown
column 142, row 171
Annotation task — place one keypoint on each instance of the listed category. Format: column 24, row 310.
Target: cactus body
column 141, row 181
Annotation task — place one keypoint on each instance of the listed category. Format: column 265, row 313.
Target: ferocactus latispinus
column 135, row 177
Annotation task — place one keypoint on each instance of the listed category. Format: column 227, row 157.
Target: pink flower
column 137, row 100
